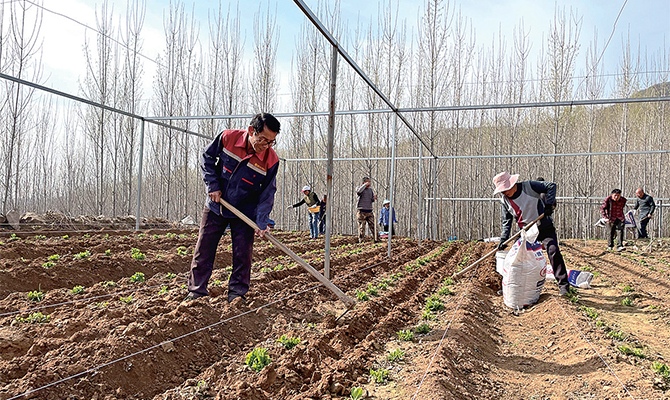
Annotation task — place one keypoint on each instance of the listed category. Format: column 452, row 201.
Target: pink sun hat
column 504, row 181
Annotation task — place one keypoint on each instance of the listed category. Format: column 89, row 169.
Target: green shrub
column 257, row 359
column 77, row 290
column 289, row 342
column 137, row 277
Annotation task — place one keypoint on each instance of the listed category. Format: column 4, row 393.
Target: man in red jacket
column 240, row 167
column 612, row 211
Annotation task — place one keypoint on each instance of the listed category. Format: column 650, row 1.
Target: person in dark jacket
column 314, row 208
column 613, row 212
column 364, row 209
column 522, row 201
column 240, row 167
column 646, row 206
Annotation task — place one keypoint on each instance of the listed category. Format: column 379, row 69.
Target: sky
column 648, row 22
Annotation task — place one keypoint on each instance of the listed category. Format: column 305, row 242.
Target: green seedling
column 434, row 304
column 86, row 235
column 627, row 302
column 445, row 291
column 101, row 305
column 257, row 359
column 587, row 268
column 13, row 238
column 217, row 282
column 396, row 355
column 372, row 291
column 77, row 290
column 618, row 335
column 156, row 236
column 627, row 289
column 137, row 277
column 36, row 295
column 362, row 296
column 40, row 237
column 423, row 328
column 380, row 376
column 164, row 289
column 279, row 267
column 141, row 236
column 590, row 312
column 83, row 255
column 182, row 251
column 170, row 235
column 406, row 335
column 356, row 393
column 661, row 369
column 448, row 281
column 109, row 284
column 428, row 315
column 127, row 299
column 409, row 268
column 137, row 254
column 266, row 269
column 289, row 342
column 54, row 257
column 170, row 275
column 66, row 236
column 627, row 350
column 48, row 265
column 35, row 318
column 183, row 236
column 108, row 252
column 600, row 324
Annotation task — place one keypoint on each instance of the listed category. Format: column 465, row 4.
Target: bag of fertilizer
column 524, row 272
column 578, row 279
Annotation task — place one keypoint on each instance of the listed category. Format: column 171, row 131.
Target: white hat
column 386, row 202
column 305, row 188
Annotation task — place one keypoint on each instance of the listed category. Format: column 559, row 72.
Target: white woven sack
column 524, row 272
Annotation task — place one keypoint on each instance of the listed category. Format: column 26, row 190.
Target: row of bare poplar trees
column 87, row 162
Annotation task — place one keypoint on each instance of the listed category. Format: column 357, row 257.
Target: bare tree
column 266, row 40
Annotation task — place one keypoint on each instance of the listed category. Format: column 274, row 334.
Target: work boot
column 564, row 291
column 193, row 296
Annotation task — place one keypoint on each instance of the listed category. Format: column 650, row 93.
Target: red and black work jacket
column 246, row 180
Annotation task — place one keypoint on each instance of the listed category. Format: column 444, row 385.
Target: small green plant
column 83, row 255
column 289, row 342
column 628, row 350
column 445, row 291
column 618, row 335
column 86, row 235
column 141, row 236
column 109, row 284
column 101, row 305
column 627, row 302
column 217, row 282
column 356, row 393
column 13, row 238
column 170, row 275
column 372, row 291
column 77, row 290
column 266, row 269
column 661, row 369
column 66, row 236
column 156, row 236
column 40, row 237
column 423, row 328
column 35, row 318
column 434, row 304
column 257, row 359
column 137, row 254
column 362, row 296
column 182, row 251
column 164, row 289
column 54, row 257
column 448, row 281
column 627, row 289
column 170, row 235
column 36, row 295
column 396, row 355
column 279, row 267
column 137, row 277
column 380, row 376
column 590, row 312
column 428, row 315
column 108, row 252
column 406, row 335
column 48, row 265
column 127, row 299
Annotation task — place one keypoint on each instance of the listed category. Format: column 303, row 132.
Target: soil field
column 100, row 316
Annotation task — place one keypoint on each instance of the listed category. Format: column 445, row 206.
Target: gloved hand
column 548, row 210
column 502, row 245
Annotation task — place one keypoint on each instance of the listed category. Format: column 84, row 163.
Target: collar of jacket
column 242, row 143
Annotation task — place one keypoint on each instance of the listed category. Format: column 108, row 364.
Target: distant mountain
column 658, row 90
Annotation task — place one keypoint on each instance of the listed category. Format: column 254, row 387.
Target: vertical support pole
column 329, row 176
column 139, row 178
column 283, row 196
column 420, row 194
column 390, row 232
column 660, row 218
column 434, row 196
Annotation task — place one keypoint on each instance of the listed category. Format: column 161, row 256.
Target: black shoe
column 231, row 298
column 563, row 291
column 193, row 296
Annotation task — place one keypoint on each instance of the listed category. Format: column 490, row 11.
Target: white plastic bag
column 524, row 272
column 578, row 279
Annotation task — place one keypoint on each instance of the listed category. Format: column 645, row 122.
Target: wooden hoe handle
column 348, row 301
column 487, row 255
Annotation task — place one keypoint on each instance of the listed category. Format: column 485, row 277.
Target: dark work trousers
column 212, row 228
column 385, row 228
column 550, row 242
column 615, row 227
column 642, row 232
